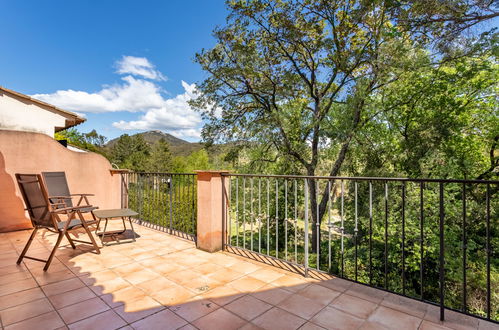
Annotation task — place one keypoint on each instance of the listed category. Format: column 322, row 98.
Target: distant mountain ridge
column 178, row 147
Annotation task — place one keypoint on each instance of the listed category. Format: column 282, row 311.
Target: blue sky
column 101, row 57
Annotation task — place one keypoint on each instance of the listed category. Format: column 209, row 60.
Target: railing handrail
column 362, row 178
column 162, row 173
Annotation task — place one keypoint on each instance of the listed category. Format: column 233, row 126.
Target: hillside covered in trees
column 150, row 151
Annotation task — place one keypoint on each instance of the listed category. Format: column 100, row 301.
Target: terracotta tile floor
column 164, row 282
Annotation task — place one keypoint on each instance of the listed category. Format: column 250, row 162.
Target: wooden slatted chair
column 47, row 215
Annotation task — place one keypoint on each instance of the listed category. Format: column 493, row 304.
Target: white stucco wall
column 19, row 115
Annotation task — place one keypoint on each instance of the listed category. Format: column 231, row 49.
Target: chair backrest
column 36, row 199
column 57, row 185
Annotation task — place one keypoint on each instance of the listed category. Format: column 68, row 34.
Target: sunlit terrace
column 216, row 250
column 164, row 282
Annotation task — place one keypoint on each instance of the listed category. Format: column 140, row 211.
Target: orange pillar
column 210, row 209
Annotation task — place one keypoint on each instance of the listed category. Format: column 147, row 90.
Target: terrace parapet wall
column 27, row 152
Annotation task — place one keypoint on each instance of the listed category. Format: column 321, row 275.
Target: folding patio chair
column 58, row 191
column 47, row 215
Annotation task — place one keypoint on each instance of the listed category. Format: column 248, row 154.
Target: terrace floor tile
column 106, row 320
column 20, row 297
column 161, row 320
column 358, row 307
column 173, row 296
column 311, row 326
column 301, row 306
column 82, row 310
column 71, row 297
column 17, row 286
column 49, row 320
column 195, row 309
column 319, row 293
column 120, row 297
column 247, row 284
column 266, row 275
column 248, row 307
column 271, row 294
column 22, row 312
column 62, row 286
column 218, row 320
column 223, row 295
column 138, row 309
column 393, row 319
column 225, row 275
column 331, row 318
column 278, row 319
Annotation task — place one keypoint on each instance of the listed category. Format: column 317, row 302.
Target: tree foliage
column 131, row 152
column 91, row 141
column 160, row 159
column 308, row 80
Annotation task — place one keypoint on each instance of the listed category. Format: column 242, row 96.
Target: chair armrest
column 82, row 194
column 73, row 208
column 60, row 197
column 57, row 206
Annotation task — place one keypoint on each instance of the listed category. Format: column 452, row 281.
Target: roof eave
column 69, row 122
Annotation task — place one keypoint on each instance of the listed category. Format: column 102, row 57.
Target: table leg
column 133, row 231
column 103, row 233
column 124, row 226
column 97, row 228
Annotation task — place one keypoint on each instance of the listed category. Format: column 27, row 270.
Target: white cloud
column 138, row 66
column 174, row 115
column 133, row 94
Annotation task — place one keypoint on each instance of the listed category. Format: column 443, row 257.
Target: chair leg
column 89, row 233
column 26, row 247
column 70, row 240
column 49, row 260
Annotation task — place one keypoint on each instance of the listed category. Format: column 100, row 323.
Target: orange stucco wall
column 25, row 152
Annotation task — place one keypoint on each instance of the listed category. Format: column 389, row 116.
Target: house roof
column 72, row 119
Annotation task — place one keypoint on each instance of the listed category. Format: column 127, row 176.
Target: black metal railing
column 163, row 200
column 432, row 240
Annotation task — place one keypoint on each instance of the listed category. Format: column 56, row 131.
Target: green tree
column 444, row 21
column 179, row 164
column 130, row 152
column 297, row 78
column 198, row 160
column 160, row 159
column 95, row 138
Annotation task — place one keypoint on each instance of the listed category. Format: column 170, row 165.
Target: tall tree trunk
column 319, row 209
column 316, row 216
